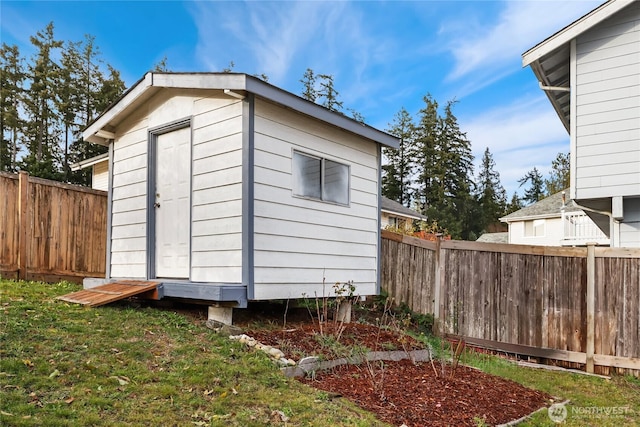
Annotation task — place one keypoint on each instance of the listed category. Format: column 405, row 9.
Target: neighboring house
column 225, row 188
column 553, row 222
column 590, row 71
column 99, row 170
column 396, row 215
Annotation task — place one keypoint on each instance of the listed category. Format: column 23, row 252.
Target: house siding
column 608, row 108
column 217, row 191
column 100, row 176
column 299, row 242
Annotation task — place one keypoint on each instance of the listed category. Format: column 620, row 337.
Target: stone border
column 312, row 364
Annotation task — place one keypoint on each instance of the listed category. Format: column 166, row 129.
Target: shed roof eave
column 234, row 82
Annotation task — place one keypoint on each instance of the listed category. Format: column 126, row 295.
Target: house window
column 534, row 228
column 320, row 179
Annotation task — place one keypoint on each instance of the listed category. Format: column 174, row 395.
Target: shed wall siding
column 129, row 199
column 608, row 107
column 298, row 242
column 216, row 244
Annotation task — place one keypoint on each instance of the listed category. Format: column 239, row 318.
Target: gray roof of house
column 502, row 237
column 395, row 207
column 548, row 207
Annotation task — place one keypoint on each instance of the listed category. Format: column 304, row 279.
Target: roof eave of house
column 530, row 217
column 573, row 30
column 558, row 46
column 402, row 214
column 89, row 162
column 151, row 82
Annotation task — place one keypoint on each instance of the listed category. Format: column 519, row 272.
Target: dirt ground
column 420, row 394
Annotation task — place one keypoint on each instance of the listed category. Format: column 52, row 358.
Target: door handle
column 156, row 205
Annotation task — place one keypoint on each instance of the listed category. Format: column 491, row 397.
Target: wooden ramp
column 110, row 292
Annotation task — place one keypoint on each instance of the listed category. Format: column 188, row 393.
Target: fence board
column 8, row 225
column 523, row 297
column 64, row 231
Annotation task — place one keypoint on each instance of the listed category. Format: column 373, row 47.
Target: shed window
column 320, row 179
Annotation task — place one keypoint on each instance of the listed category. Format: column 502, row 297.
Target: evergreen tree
column 514, row 205
column 444, row 166
column 492, row 197
column 328, row 93
column 397, row 172
column 559, row 176
column 309, row 86
column 457, row 159
column 425, row 152
column 42, row 130
column 12, row 76
column 536, row 190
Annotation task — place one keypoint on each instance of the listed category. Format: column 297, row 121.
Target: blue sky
column 383, row 55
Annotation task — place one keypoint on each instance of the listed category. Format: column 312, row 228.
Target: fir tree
column 397, row 172
column 535, row 192
column 12, row 76
column 491, row 195
column 559, row 176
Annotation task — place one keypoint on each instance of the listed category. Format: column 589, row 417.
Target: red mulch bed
column 401, row 392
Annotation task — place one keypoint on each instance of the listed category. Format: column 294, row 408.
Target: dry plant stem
column 318, row 312
column 284, row 320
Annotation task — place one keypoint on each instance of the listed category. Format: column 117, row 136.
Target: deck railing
column 579, row 229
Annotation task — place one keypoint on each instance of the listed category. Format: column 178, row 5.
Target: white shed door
column 172, row 203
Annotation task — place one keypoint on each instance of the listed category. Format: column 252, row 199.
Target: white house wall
column 608, row 107
column 217, row 191
column 553, row 233
column 298, row 241
column 100, row 176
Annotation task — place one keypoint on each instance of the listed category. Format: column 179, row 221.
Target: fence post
column 23, row 223
column 591, row 280
column 437, row 289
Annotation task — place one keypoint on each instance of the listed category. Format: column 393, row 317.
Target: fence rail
column 51, row 231
column 577, row 305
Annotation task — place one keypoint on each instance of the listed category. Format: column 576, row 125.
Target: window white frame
column 304, row 181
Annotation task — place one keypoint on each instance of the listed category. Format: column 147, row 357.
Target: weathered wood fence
column 580, row 306
column 51, row 231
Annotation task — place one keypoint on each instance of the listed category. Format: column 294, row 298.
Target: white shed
column 224, row 188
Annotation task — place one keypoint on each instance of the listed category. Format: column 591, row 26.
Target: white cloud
column 520, row 136
column 484, row 54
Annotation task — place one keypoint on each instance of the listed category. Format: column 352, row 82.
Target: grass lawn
column 64, row 364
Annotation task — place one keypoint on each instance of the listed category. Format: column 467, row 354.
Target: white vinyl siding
column 129, row 201
column 299, row 241
column 216, row 243
column 100, row 176
column 608, row 107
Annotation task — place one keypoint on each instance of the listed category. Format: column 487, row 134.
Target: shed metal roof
column 99, row 131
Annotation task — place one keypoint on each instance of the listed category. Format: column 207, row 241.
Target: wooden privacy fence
column 51, row 231
column 580, row 306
